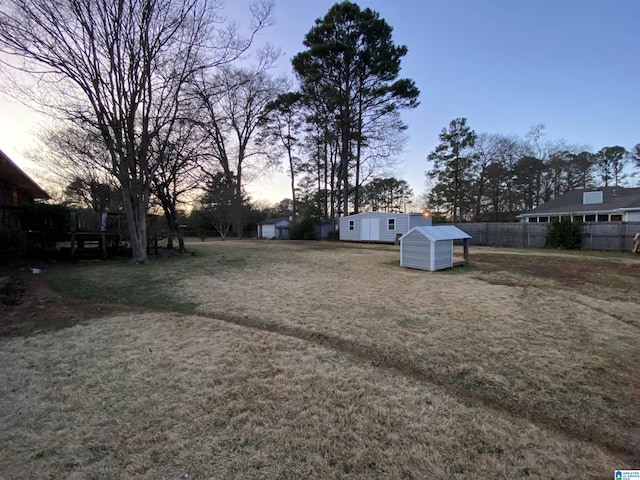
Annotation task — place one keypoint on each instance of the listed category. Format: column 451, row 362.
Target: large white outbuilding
column 431, row 248
column 379, row 226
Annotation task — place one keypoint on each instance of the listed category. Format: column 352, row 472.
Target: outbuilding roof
column 440, row 232
column 273, row 221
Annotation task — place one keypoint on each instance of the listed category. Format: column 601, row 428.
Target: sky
column 505, row 65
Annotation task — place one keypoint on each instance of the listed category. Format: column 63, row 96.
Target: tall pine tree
column 351, row 68
column 452, row 163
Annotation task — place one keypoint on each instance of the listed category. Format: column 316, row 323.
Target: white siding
column 633, row 217
column 400, row 223
column 345, row 233
column 403, row 223
column 443, row 256
column 415, row 252
column 429, row 248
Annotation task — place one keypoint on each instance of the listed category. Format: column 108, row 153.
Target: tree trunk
column 344, row 166
column 480, row 193
column 136, row 211
column 294, row 201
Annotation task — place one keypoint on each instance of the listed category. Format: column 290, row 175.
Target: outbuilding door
column 370, row 229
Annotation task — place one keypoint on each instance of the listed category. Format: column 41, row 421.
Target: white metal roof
column 441, row 232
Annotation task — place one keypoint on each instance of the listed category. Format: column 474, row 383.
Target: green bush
column 565, row 234
column 304, row 229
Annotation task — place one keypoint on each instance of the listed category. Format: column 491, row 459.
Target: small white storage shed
column 431, row 248
column 379, row 226
column 274, row 228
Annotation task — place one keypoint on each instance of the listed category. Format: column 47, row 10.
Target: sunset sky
column 506, row 65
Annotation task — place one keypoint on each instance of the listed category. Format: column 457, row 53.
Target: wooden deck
column 459, row 261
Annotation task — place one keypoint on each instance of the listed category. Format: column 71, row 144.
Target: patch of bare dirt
column 570, row 272
column 28, row 306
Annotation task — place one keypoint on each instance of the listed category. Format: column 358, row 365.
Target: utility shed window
column 392, row 224
column 352, row 224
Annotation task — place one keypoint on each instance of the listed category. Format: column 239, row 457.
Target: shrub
column 565, row 234
column 302, row 229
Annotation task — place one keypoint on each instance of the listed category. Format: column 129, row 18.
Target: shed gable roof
column 274, row 221
column 613, row 199
column 438, row 233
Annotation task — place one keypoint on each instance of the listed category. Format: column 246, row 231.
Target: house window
column 352, row 225
column 616, row 218
column 543, row 219
column 392, row 224
column 603, row 218
column 589, row 218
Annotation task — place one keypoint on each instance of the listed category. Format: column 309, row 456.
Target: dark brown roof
column 12, row 174
column 613, row 199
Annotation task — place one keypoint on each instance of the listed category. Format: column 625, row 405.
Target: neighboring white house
column 274, row 228
column 605, row 204
column 379, row 226
column 431, row 248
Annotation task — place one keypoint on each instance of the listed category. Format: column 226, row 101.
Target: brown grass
column 331, row 361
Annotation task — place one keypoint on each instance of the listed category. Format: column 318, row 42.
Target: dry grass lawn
column 312, row 360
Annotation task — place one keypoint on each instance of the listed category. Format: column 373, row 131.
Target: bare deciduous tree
column 121, row 68
column 232, row 104
column 80, row 164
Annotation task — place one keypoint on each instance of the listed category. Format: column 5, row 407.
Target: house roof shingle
column 613, row 199
column 12, row 174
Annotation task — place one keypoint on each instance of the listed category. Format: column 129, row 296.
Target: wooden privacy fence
column 612, row 236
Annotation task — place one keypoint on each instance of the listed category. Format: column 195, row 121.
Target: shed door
column 370, row 229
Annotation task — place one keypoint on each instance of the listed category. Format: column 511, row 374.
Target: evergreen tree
column 610, row 163
column 350, row 71
column 452, row 164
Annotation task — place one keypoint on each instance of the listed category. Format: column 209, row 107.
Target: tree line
column 158, row 99
column 494, row 177
column 162, row 105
